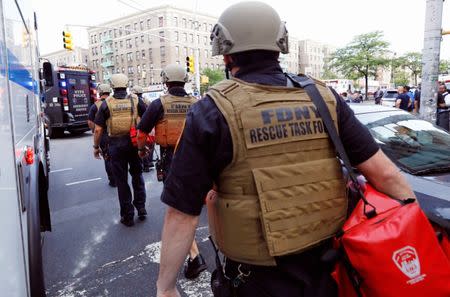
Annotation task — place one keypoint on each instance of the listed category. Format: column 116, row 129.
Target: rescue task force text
column 287, row 122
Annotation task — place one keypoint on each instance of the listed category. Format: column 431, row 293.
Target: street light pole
column 430, row 59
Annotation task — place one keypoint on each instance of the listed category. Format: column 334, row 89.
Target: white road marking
column 83, row 181
column 60, row 170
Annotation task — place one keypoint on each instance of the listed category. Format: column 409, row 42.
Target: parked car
column 420, row 149
column 389, row 98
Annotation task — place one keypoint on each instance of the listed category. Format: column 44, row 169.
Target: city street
column 89, row 253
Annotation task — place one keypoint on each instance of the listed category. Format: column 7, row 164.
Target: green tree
column 401, row 78
column 412, row 61
column 444, row 66
column 328, row 72
column 361, row 57
column 214, row 76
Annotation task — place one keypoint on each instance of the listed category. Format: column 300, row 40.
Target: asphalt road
column 89, row 253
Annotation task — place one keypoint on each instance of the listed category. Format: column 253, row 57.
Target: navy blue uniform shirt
column 205, row 147
column 92, row 112
column 404, row 101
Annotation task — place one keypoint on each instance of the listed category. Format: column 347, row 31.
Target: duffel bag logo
column 407, row 260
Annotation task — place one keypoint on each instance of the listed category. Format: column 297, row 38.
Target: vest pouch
column 301, row 204
column 229, row 213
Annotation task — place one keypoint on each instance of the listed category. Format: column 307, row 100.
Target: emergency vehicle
column 24, row 210
column 68, row 101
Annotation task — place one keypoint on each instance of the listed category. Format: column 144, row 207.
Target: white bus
column 340, row 85
column 24, row 210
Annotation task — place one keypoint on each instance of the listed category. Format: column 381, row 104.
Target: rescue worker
column 147, row 161
column 263, row 144
column 119, row 114
column 103, row 90
column 167, row 115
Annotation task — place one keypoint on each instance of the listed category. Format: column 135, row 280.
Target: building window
column 115, row 45
column 121, row 58
column 123, row 69
column 144, row 66
column 185, row 51
column 162, row 50
column 129, row 57
column 177, row 51
column 190, row 24
column 141, row 25
column 138, row 54
column 184, row 37
column 138, row 68
column 191, row 38
column 143, row 54
column 121, row 43
column 176, row 36
column 206, row 53
column 115, row 33
column 161, row 21
column 130, row 70
column 175, row 21
column 184, row 24
column 117, row 58
column 205, row 40
column 198, row 39
column 149, row 39
column 127, row 29
column 205, row 26
column 136, row 40
column 161, row 36
column 135, row 26
column 142, row 38
column 150, row 53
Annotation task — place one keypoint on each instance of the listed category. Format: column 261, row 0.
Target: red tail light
column 29, row 155
column 65, row 101
column 63, row 92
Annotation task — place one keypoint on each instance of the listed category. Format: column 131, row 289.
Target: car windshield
column 416, row 146
column 390, row 95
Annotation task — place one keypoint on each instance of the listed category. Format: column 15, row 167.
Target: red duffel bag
column 389, row 248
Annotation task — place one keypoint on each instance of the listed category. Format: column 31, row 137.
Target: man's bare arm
column 178, row 234
column 385, row 176
column 91, row 125
column 98, row 131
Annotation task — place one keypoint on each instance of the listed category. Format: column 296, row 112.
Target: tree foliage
column 412, row 61
column 214, row 76
column 444, row 66
column 401, row 78
column 361, row 57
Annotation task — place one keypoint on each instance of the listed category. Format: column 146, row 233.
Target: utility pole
column 430, row 59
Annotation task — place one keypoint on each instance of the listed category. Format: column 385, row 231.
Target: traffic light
column 190, row 64
column 67, row 39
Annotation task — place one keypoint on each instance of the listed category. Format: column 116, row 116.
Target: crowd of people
column 249, row 149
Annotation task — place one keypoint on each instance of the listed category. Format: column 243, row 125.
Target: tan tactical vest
column 121, row 116
column 283, row 191
column 170, row 127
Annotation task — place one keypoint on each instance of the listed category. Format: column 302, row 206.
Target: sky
column 335, row 22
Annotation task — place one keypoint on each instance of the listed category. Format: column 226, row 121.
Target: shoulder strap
column 309, row 86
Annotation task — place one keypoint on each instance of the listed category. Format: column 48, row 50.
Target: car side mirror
column 47, row 72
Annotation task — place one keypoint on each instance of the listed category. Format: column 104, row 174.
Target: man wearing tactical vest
column 280, row 192
column 147, row 161
column 168, row 114
column 103, row 90
column 119, row 115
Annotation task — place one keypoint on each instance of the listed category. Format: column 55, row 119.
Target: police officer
column 119, row 114
column 103, row 90
column 168, row 114
column 263, row 144
column 147, row 161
